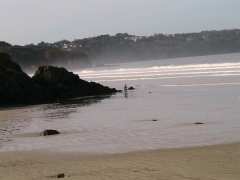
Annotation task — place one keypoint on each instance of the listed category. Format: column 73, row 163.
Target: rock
column 5, row 45
column 48, row 84
column 60, row 83
column 131, row 88
column 50, row 132
column 62, row 175
column 55, row 76
column 8, row 64
column 16, row 86
column 199, row 123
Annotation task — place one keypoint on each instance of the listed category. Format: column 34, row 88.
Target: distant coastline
column 122, row 47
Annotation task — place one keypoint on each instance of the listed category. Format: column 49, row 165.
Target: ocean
column 170, row 96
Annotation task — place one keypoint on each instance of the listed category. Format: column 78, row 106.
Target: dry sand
column 221, row 162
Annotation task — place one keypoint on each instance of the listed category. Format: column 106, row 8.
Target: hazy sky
column 31, row 21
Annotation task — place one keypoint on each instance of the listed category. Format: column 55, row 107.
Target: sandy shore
column 221, row 162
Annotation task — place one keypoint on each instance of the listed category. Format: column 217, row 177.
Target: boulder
column 61, row 175
column 50, row 132
column 198, row 123
column 131, row 88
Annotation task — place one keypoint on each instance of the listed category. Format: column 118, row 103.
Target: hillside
column 104, row 49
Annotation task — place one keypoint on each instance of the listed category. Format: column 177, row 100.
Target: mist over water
column 175, row 93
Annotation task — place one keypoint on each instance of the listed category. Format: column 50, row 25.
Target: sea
column 170, row 97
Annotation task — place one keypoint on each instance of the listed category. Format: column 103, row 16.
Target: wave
column 163, row 72
column 170, row 77
column 201, row 84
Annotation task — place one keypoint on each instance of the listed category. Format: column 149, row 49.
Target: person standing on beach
column 125, row 91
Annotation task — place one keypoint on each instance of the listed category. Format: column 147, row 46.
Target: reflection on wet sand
column 13, row 120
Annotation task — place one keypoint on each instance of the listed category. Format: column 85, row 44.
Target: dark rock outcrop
column 59, row 83
column 199, row 123
column 131, row 88
column 48, row 84
column 50, row 132
column 16, row 87
column 61, row 175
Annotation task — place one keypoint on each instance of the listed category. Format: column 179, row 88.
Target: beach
column 120, row 90
column 180, row 123
column 221, row 162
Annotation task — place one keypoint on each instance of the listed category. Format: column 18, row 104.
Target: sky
column 33, row 21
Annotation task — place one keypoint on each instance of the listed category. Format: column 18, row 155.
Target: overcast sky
column 32, row 21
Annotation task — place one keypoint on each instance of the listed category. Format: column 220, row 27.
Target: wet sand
column 220, row 162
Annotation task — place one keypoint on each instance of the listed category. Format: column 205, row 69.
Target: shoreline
column 202, row 163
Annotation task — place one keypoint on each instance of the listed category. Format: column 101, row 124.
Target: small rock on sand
column 62, row 175
column 198, row 123
column 50, row 132
column 131, row 88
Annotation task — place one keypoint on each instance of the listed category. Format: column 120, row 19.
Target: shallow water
column 177, row 93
